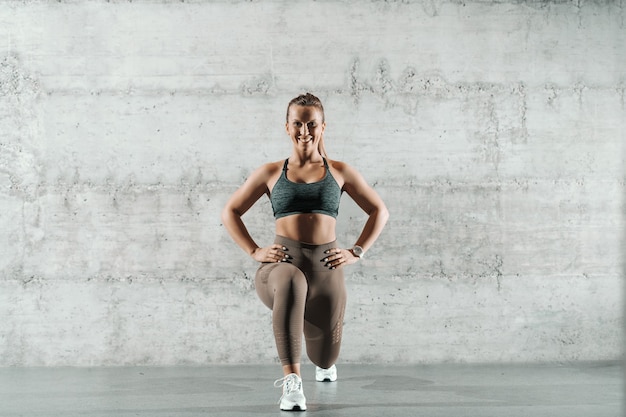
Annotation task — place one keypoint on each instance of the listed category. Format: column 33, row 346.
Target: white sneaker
column 329, row 374
column 293, row 397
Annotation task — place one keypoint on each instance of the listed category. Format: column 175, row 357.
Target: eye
column 312, row 124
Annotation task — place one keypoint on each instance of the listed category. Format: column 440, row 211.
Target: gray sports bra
column 289, row 197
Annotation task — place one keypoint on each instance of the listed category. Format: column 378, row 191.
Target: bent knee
column 286, row 271
column 325, row 362
column 288, row 278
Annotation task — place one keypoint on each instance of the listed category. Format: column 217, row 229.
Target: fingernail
column 326, row 251
column 325, row 259
column 285, row 248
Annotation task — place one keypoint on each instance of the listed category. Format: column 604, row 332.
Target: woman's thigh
column 326, row 300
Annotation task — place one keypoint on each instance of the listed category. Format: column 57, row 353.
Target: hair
column 309, row 99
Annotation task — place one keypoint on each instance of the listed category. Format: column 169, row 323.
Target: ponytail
column 322, row 149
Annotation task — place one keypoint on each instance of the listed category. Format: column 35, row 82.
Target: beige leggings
column 305, row 297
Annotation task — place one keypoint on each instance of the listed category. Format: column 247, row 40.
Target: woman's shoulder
column 349, row 176
column 344, row 173
column 339, row 166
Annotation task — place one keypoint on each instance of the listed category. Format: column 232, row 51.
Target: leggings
column 305, row 296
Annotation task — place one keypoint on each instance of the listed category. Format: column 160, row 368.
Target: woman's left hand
column 337, row 258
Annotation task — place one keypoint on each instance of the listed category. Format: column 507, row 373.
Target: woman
column 301, row 274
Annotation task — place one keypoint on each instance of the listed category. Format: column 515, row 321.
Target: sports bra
column 288, row 197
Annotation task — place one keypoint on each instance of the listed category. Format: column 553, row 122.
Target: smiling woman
column 306, row 122
column 301, row 276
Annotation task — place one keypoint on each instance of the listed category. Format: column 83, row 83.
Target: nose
column 304, row 130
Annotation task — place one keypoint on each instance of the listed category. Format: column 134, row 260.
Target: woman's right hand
column 273, row 253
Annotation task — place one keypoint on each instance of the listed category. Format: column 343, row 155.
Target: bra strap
column 285, row 164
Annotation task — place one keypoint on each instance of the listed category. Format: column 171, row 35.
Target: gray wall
column 493, row 130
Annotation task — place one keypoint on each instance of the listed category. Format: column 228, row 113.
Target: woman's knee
column 288, row 278
column 323, row 357
column 280, row 278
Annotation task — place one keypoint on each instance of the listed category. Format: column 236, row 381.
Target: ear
column 287, row 128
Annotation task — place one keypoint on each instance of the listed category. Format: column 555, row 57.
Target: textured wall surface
column 493, row 130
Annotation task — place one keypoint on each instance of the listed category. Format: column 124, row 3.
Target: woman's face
column 305, row 126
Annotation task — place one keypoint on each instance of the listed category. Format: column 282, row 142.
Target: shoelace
column 290, row 383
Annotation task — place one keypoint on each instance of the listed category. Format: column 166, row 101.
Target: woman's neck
column 302, row 158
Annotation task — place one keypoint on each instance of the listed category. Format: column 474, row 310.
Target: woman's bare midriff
column 312, row 228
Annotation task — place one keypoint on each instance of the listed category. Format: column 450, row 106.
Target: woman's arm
column 370, row 202
column 238, row 204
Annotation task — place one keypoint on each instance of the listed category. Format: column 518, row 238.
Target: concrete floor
column 586, row 390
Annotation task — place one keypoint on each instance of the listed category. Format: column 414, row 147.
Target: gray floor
column 586, row 390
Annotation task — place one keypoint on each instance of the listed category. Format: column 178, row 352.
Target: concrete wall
column 493, row 130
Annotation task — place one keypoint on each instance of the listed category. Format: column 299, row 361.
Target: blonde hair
column 309, row 99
